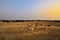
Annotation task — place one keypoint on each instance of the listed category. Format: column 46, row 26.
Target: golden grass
column 29, row 31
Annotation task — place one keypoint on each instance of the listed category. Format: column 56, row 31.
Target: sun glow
column 52, row 12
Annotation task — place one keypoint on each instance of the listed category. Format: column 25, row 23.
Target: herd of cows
column 29, row 30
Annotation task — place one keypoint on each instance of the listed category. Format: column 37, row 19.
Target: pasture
column 30, row 31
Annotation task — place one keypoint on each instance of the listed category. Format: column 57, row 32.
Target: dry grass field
column 30, row 31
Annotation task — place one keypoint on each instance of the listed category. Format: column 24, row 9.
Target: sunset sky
column 29, row 9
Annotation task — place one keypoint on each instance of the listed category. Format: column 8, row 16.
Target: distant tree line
column 29, row 20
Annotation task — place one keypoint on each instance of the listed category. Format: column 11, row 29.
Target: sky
column 29, row 9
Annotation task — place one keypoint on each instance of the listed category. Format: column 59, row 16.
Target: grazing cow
column 49, row 25
column 30, row 29
column 36, row 24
